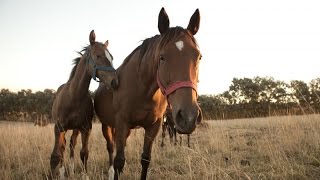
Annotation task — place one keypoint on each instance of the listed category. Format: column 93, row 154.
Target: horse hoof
column 84, row 176
column 111, row 173
column 62, row 172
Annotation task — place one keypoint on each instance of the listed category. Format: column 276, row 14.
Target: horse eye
column 200, row 57
column 161, row 58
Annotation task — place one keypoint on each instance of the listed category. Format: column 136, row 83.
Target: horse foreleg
column 188, row 140
column 149, row 137
column 84, row 153
column 107, row 132
column 73, row 143
column 56, row 160
column 120, row 138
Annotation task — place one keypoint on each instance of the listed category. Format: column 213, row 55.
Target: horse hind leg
column 163, row 135
column 56, row 159
column 73, row 143
column 170, row 132
column 175, row 135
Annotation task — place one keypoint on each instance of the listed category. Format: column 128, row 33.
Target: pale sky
column 237, row 38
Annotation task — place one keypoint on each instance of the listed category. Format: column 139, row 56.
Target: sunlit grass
column 261, row 148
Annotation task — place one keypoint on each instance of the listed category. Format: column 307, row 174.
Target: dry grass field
column 261, row 148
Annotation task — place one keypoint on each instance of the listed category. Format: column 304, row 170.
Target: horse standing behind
column 162, row 70
column 73, row 107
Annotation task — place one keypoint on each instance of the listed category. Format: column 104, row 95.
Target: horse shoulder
column 103, row 105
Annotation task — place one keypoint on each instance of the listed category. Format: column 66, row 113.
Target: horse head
column 177, row 71
column 101, row 62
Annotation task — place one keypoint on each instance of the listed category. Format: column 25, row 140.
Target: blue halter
column 96, row 67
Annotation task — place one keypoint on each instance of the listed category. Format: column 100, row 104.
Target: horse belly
column 143, row 119
column 80, row 121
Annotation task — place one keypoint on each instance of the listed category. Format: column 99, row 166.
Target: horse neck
column 80, row 82
column 147, row 70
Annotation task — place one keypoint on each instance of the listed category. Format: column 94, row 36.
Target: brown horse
column 73, row 107
column 168, row 126
column 162, row 70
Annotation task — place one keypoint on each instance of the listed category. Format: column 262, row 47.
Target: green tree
column 244, row 90
column 301, row 92
column 315, row 94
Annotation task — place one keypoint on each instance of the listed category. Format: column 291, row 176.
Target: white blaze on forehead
column 179, row 45
column 109, row 57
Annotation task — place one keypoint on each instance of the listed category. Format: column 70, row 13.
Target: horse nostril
column 179, row 114
column 114, row 83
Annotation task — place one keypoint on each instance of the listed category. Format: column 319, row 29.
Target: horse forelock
column 172, row 34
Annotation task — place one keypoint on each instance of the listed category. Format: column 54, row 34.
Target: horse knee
column 110, row 147
column 84, row 154
column 54, row 160
column 71, row 150
column 145, row 161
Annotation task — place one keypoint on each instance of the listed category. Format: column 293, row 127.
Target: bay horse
column 168, row 126
column 162, row 70
column 73, row 107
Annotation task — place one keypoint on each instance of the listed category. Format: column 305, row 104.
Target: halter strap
column 174, row 86
column 96, row 67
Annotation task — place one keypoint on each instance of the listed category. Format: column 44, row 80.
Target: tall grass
column 261, row 148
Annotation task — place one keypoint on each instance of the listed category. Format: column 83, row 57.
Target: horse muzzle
column 110, row 79
column 187, row 120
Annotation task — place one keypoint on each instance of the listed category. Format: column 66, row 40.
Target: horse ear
column 106, row 43
column 163, row 21
column 92, row 37
column 194, row 23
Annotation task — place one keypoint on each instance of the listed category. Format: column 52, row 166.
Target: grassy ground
column 261, row 148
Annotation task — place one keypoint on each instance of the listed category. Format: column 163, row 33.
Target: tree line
column 262, row 97
column 246, row 98
column 26, row 105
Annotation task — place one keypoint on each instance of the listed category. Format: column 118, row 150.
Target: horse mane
column 172, row 34
column 76, row 61
column 126, row 60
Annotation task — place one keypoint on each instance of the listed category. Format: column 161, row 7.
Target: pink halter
column 174, row 86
